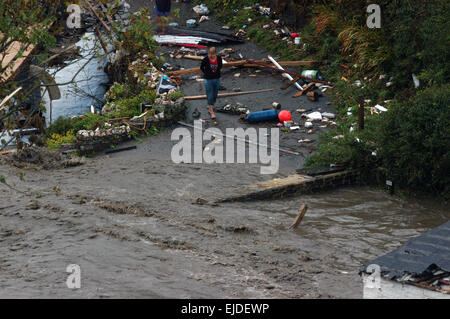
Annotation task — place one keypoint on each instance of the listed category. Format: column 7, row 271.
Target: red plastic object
column 284, row 116
column 294, row 35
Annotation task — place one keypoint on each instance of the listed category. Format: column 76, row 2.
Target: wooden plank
column 197, row 70
column 265, row 65
column 285, row 86
column 297, row 63
column 301, row 214
column 199, row 97
column 249, row 63
column 11, row 54
column 6, row 99
column 244, row 63
column 6, row 152
column 309, row 86
column 194, row 57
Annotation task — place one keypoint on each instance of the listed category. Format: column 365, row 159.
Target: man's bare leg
column 211, row 112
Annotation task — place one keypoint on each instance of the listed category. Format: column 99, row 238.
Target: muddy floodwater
column 133, row 224
column 140, row 226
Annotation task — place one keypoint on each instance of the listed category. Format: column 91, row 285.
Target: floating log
column 199, row 97
column 301, row 214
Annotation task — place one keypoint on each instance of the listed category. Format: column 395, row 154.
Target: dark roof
column 418, row 254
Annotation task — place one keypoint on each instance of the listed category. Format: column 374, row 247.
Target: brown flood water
column 129, row 221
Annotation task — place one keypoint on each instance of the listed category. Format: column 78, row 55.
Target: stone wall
column 311, row 185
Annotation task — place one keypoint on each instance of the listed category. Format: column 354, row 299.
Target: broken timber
column 287, row 85
column 308, row 87
column 299, row 218
column 199, row 97
column 251, row 64
column 98, row 16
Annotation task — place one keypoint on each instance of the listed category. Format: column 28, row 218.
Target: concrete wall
column 389, row 289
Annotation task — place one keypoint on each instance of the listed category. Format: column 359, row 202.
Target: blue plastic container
column 262, row 116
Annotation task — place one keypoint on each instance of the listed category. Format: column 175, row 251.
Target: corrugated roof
column 418, row 254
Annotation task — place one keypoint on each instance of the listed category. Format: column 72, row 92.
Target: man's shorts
column 161, row 14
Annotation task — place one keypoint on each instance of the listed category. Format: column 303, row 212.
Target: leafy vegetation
column 56, row 140
column 408, row 144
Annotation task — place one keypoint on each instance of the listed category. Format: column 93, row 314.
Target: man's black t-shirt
column 163, row 5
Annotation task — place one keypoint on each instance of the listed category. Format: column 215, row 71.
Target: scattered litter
column 237, row 109
column 191, row 23
column 203, row 18
column 201, row 9
column 380, row 108
column 329, row 115
column 416, row 81
column 315, row 116
column 308, row 124
column 262, row 116
column 312, row 74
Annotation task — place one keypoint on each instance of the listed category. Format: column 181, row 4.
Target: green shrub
column 56, row 140
column 414, row 140
column 60, row 126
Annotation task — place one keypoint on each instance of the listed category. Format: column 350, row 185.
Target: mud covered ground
column 141, row 226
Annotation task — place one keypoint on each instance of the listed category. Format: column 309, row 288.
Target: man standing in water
column 211, row 67
column 162, row 10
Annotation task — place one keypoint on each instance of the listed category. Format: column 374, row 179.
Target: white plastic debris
column 380, row 108
column 416, row 81
column 308, row 124
column 315, row 116
column 329, row 115
column 203, row 18
column 201, row 9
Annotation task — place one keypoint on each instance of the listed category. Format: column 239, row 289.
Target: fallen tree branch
column 97, row 15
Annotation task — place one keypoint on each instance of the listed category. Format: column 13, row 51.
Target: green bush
column 56, row 140
column 414, row 140
column 60, row 126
